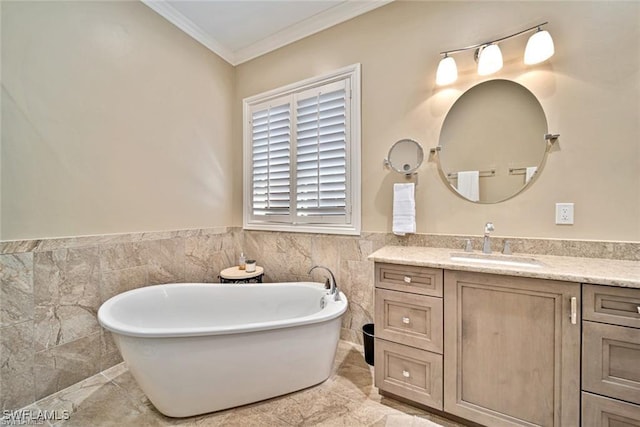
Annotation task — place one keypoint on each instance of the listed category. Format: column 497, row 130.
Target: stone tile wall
column 51, row 289
column 289, row 256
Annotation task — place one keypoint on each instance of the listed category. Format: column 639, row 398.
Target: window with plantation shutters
column 302, row 156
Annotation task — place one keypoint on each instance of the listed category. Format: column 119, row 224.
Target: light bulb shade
column 489, row 60
column 447, row 71
column 539, row 48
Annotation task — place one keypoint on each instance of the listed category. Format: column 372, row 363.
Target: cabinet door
column 611, row 360
column 410, row 319
column 512, row 350
column 408, row 372
column 599, row 411
column 608, row 304
column 406, row 278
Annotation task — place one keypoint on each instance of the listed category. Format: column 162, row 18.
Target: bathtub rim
column 332, row 310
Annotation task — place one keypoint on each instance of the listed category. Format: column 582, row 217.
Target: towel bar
column 518, row 171
column 483, row 174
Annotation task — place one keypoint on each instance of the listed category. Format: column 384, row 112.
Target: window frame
column 351, row 75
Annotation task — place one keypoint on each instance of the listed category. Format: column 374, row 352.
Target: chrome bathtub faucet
column 486, row 244
column 333, row 286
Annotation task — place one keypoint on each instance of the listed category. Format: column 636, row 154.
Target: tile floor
column 347, row 398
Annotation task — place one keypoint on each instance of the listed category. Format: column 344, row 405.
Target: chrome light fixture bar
column 489, row 57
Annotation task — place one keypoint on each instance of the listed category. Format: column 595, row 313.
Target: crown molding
column 169, row 13
column 316, row 23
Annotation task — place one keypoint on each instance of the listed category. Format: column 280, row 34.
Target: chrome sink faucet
column 486, row 244
column 333, row 286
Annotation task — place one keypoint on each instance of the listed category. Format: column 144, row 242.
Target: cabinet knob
column 407, row 279
column 406, row 374
column 638, row 309
column 574, row 310
column 406, row 320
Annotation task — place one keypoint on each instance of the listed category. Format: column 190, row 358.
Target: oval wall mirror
column 492, row 143
column 405, row 156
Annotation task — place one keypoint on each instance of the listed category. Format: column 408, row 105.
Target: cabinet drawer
column 609, row 304
column 405, row 278
column 598, row 411
column 611, row 360
column 408, row 372
column 409, row 319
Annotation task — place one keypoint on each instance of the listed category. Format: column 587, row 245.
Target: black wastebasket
column 367, row 334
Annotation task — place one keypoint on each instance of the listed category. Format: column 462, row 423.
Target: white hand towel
column 530, row 171
column 469, row 185
column 404, row 209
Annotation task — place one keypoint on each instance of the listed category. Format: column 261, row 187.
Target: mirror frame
column 419, row 161
column 547, row 138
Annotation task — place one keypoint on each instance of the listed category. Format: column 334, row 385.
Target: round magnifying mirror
column 492, row 142
column 405, row 156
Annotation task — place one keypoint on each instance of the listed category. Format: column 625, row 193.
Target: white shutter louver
column 271, row 162
column 321, row 154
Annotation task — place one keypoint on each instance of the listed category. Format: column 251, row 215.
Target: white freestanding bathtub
column 196, row 348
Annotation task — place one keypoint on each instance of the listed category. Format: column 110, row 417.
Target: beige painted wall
column 113, row 120
column 0, row 121
column 590, row 91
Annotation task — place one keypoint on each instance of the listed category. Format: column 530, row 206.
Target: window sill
column 348, row 230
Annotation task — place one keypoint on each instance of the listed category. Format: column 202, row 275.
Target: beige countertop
column 572, row 269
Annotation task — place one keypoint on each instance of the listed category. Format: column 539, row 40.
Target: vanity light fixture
column 447, row 71
column 539, row 48
column 489, row 57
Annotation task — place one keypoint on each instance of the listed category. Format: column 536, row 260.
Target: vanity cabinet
column 409, row 333
column 501, row 345
column 496, row 350
column 610, row 356
column 512, row 347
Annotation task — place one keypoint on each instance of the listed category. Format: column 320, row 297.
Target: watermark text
column 24, row 417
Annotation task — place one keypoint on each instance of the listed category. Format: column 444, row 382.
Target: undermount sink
column 496, row 260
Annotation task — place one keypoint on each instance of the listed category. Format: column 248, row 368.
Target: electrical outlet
column 564, row 213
